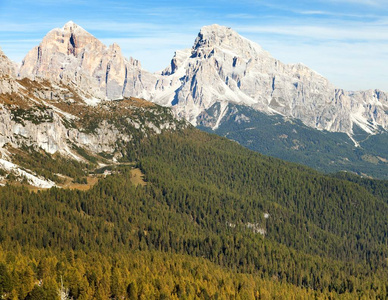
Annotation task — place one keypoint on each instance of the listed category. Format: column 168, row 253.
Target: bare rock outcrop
column 7, row 68
column 221, row 67
column 72, row 55
column 7, row 75
column 224, row 67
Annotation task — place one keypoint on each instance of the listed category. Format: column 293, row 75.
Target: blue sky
column 344, row 40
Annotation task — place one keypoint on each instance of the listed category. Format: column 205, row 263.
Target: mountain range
column 105, row 195
column 223, row 79
column 221, row 67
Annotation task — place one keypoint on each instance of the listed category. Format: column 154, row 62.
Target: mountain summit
column 224, row 82
column 72, row 55
column 222, row 67
column 7, row 68
column 228, row 39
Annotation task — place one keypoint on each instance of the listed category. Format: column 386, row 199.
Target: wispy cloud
column 24, row 27
column 345, row 32
column 116, row 27
column 364, row 2
column 240, row 16
column 312, row 12
column 337, row 14
column 18, row 42
column 342, row 39
column 53, row 2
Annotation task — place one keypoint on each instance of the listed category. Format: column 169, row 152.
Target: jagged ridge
column 57, row 118
column 221, row 67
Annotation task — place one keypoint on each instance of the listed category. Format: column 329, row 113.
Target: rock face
column 56, row 118
column 40, row 115
column 7, row 75
column 63, row 98
column 52, row 136
column 222, row 67
column 72, row 55
column 56, row 111
column 7, row 68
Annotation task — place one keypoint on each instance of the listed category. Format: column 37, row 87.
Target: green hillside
column 214, row 221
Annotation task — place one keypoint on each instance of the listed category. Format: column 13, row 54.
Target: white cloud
column 240, row 16
column 24, row 27
column 116, row 27
column 344, row 31
column 342, row 46
column 312, row 12
column 364, row 2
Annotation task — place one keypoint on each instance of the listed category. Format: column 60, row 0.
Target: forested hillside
column 291, row 140
column 214, row 221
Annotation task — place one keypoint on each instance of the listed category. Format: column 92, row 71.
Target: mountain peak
column 69, row 24
column 2, row 55
column 228, row 40
column 214, row 35
column 215, row 28
column 6, row 66
column 73, row 27
column 115, row 47
column 72, row 55
column 222, row 67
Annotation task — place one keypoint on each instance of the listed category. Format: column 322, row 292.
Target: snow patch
column 91, row 101
column 223, row 110
column 360, row 120
column 356, row 144
column 67, row 151
column 32, row 179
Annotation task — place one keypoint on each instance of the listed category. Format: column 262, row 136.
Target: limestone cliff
column 221, row 67
column 59, row 118
column 72, row 55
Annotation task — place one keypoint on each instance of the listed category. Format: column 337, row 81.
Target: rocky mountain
column 185, row 214
column 72, row 55
column 7, row 75
column 61, row 119
column 7, row 68
column 221, row 67
column 60, row 100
